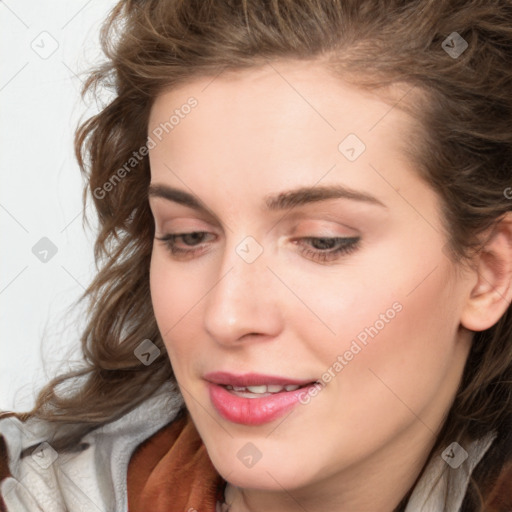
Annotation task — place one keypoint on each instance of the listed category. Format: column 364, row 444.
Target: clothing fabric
column 153, row 460
column 172, row 471
column 93, row 479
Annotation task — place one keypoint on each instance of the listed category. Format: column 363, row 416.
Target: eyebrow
column 282, row 201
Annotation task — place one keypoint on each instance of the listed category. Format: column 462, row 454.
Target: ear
column 490, row 297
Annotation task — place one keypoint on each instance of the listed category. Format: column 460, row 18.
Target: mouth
column 254, row 399
column 256, row 383
column 263, row 390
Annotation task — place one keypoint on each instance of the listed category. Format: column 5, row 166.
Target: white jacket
column 94, row 479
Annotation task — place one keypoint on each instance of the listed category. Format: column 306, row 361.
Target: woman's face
column 318, row 258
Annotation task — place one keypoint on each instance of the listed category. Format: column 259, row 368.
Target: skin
column 359, row 444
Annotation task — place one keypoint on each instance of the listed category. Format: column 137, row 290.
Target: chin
column 268, row 473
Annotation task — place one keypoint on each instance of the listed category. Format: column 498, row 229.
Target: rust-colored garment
column 172, row 472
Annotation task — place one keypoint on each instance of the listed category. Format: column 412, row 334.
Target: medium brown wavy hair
column 463, row 150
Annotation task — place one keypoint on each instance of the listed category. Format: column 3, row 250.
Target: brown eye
column 328, row 248
column 192, row 239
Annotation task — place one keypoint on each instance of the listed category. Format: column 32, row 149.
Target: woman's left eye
column 324, row 248
column 330, row 249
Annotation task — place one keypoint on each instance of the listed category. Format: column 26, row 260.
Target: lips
column 252, row 379
column 254, row 399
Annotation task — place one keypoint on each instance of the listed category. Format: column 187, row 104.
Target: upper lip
column 251, row 379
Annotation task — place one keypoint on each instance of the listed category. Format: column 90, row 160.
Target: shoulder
column 35, row 477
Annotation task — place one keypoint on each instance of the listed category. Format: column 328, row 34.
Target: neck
column 378, row 484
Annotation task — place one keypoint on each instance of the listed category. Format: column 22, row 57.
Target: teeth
column 259, row 390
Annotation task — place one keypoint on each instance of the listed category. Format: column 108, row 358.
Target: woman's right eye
column 191, row 239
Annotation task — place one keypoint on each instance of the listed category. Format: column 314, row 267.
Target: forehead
column 279, row 101
column 282, row 122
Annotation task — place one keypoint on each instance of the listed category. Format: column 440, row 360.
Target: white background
column 46, row 46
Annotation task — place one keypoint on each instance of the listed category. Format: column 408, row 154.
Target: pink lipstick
column 254, row 399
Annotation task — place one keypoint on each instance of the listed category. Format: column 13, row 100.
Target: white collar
column 443, row 487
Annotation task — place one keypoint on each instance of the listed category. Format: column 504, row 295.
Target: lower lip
column 253, row 411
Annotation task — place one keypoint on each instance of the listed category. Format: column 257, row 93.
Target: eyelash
column 346, row 245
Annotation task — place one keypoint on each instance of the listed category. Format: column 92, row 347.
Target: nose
column 243, row 301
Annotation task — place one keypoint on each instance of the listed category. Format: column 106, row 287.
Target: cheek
column 174, row 299
column 384, row 327
column 404, row 365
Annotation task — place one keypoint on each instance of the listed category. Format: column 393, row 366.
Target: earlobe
column 490, row 297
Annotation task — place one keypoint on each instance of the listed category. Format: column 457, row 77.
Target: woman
column 304, row 209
